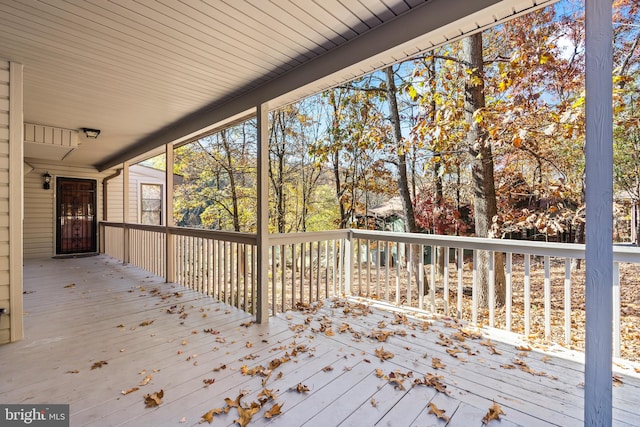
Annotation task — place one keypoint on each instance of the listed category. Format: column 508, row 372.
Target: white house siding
column 138, row 175
column 39, row 204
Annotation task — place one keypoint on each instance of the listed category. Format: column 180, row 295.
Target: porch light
column 91, row 133
column 46, row 181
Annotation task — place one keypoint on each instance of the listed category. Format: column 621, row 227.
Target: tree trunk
column 485, row 206
column 403, row 178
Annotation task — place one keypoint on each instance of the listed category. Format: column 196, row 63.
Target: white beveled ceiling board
column 147, row 72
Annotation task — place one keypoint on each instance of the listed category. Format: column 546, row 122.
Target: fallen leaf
column 71, row 285
column 383, row 355
column 301, row 388
column 183, row 420
column 327, row 369
column 437, row 364
column 146, row 323
column 131, row 390
column 247, row 324
column 99, row 364
column 153, row 399
column 275, row 410
column 208, row 381
column 246, row 414
column 208, row 417
column 523, row 348
column 439, row 413
column 617, row 380
column 373, row 402
column 145, row 380
column 494, row 413
column 75, row 371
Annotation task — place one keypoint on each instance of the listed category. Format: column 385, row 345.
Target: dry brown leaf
column 234, row 403
column 75, row 371
column 154, row 399
column 131, row 390
column 71, row 285
column 523, row 348
column 373, row 402
column 208, row 417
column 327, row 369
column 208, row 381
column 494, row 413
column 383, row 354
column 146, row 380
column 275, row 410
column 301, row 388
column 146, row 323
column 439, row 413
column 246, row 414
column 379, row 373
column 437, row 364
column 247, row 324
column 453, row 352
column 99, row 364
column 617, row 380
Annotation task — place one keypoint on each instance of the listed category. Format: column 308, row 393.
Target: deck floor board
column 142, row 326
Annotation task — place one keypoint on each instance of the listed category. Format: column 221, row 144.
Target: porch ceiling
column 149, row 72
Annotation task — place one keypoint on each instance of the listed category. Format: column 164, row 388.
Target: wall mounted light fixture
column 46, row 178
column 91, row 133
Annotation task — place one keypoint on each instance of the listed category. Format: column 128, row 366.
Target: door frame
column 56, row 229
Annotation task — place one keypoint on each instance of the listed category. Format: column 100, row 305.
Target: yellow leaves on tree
column 494, row 414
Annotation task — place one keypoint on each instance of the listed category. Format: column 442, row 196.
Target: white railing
column 543, row 288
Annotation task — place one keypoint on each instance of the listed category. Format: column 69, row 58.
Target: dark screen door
column 76, row 215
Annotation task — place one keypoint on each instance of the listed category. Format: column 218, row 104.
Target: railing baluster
column 378, row 268
column 445, row 295
column 616, row 309
column 567, row 301
column 387, row 262
column 283, row 277
column 460, row 274
column 492, row 289
column 318, row 253
column 474, row 289
column 274, row 278
column 368, row 261
column 434, row 263
column 294, row 263
column 508, row 292
column 547, row 298
column 409, row 268
column 527, row 295
column 420, row 277
column 398, row 273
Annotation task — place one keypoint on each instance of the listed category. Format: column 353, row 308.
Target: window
column 151, row 204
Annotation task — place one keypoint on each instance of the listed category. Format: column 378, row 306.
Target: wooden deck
column 324, row 366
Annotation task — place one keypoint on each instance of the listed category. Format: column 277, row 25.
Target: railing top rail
column 561, row 250
column 306, row 237
column 230, row 236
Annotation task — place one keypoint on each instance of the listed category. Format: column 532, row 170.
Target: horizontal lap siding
column 39, row 207
column 4, row 200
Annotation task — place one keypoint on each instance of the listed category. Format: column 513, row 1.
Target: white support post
column 599, row 213
column 348, row 264
column 262, row 116
column 170, row 267
column 125, row 212
column 16, row 203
